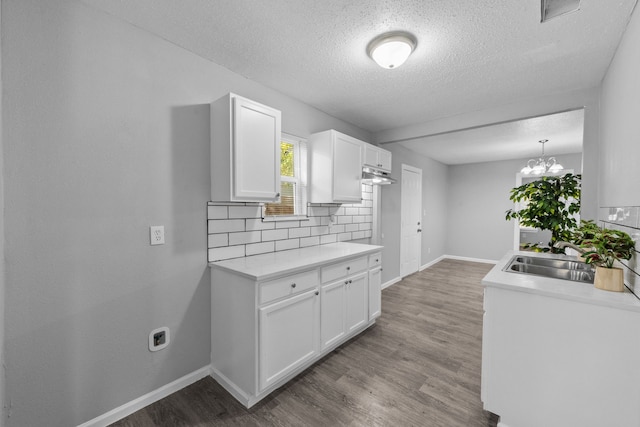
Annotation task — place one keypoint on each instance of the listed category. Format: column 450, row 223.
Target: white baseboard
column 149, row 398
column 390, row 282
column 230, row 386
column 430, row 263
column 464, row 258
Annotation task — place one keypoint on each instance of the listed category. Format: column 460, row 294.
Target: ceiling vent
column 552, row 8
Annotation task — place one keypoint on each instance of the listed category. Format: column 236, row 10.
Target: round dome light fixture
column 391, row 50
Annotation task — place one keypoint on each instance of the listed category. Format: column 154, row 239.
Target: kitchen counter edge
column 274, row 264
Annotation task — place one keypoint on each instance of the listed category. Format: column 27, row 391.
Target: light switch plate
column 156, row 234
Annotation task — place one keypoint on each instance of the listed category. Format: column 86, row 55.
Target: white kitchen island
column 275, row 314
column 559, row 353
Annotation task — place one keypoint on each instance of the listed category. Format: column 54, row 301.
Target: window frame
column 299, row 180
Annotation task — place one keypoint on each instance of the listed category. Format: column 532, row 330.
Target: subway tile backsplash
column 627, row 219
column 237, row 230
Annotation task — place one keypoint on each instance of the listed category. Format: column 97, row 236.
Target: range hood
column 376, row 177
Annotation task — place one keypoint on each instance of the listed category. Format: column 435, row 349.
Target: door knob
column 419, row 230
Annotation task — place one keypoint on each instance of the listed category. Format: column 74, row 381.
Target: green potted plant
column 604, row 247
column 586, row 231
column 550, row 203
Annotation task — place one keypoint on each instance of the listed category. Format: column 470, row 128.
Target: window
column 293, row 181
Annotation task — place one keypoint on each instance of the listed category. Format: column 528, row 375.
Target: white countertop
column 558, row 288
column 273, row 264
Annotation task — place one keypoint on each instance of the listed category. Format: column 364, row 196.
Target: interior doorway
column 411, row 221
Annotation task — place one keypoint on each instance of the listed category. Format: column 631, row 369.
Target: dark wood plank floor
column 418, row 366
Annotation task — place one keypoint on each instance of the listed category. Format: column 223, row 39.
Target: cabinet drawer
column 289, row 285
column 343, row 269
column 375, row 260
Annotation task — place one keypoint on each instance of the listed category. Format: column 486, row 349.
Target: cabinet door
column 375, row 294
column 377, row 157
column 256, row 151
column 332, row 313
column 357, row 302
column 371, row 155
column 288, row 336
column 347, row 169
column 384, row 159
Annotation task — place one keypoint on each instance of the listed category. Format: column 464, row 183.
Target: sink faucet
column 561, row 245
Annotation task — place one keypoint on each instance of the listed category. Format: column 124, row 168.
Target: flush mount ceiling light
column 390, row 50
column 542, row 165
column 552, row 8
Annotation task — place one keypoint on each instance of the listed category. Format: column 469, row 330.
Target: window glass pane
column 287, row 167
column 287, row 201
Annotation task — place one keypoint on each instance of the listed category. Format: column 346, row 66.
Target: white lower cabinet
column 555, row 361
column 375, row 293
column 357, row 301
column 333, row 313
column 344, row 308
column 264, row 332
column 288, row 336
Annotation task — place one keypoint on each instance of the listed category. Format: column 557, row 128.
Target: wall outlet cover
column 159, row 338
column 156, row 234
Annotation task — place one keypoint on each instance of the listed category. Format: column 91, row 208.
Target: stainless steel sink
column 554, row 268
column 555, row 263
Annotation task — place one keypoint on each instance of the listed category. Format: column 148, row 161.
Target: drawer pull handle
column 348, row 268
column 377, row 260
column 293, row 285
column 350, row 281
column 346, row 282
column 317, row 293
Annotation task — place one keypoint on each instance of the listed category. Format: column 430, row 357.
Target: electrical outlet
column 159, row 339
column 156, row 233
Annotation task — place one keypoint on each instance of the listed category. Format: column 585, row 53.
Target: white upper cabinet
column 245, row 151
column 376, row 157
column 336, row 168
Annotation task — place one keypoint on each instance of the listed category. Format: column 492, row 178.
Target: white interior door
column 411, row 221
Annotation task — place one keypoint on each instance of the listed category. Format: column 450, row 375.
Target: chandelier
column 542, row 165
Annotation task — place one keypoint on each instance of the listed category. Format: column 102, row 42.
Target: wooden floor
column 418, row 366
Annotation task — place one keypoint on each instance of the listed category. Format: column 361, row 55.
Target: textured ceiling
column 512, row 140
column 471, row 54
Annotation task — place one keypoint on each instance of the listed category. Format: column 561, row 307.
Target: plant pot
column 609, row 279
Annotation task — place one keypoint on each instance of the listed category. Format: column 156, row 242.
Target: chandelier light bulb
column 542, row 165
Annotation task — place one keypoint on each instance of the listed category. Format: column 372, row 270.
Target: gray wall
column 106, row 131
column 2, row 264
column 620, row 146
column 478, row 199
column 434, row 200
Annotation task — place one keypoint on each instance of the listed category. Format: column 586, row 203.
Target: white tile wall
column 627, row 219
column 236, row 229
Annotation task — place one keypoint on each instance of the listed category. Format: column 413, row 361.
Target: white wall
column 478, row 199
column 106, row 131
column 434, row 200
column 620, row 124
column 2, row 267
